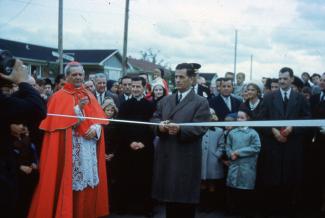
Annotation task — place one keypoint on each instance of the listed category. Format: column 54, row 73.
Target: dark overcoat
column 177, row 163
column 133, row 168
column 281, row 164
column 220, row 107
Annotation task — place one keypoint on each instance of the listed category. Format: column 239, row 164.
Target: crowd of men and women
column 238, row 170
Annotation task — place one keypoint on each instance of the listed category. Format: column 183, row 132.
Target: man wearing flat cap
column 177, row 160
column 198, row 88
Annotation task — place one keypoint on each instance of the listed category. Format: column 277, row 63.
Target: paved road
column 160, row 213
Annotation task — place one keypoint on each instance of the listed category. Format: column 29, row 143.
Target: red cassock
column 54, row 196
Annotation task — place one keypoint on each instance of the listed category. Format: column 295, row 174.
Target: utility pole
column 251, row 70
column 235, row 58
column 125, row 38
column 60, row 36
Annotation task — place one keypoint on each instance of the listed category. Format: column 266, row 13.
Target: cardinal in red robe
column 63, row 190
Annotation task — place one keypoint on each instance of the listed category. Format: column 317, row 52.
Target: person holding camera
column 15, row 109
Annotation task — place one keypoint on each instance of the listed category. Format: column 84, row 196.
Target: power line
column 151, row 18
column 17, row 15
column 70, row 9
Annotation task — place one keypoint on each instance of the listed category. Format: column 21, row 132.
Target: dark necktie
column 101, row 98
column 228, row 103
column 179, row 98
column 285, row 102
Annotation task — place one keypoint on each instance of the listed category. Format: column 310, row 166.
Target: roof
column 28, row 51
column 90, row 56
column 36, row 52
column 142, row 64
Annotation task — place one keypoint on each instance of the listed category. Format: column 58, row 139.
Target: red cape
column 54, row 196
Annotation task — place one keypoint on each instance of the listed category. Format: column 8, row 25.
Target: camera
column 7, row 62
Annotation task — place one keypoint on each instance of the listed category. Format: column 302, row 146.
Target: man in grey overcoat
column 177, row 161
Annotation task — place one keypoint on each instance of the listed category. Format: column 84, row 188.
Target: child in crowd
column 224, row 158
column 212, row 169
column 111, row 143
column 242, row 149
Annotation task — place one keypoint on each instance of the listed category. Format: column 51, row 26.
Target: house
column 95, row 61
column 144, row 66
column 43, row 61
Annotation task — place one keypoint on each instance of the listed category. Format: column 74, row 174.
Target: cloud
column 276, row 33
column 178, row 29
column 313, row 12
column 299, row 39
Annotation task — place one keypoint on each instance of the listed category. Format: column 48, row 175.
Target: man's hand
column 26, row 169
column 109, row 157
column 19, row 73
column 91, row 133
column 136, row 145
column 163, row 126
column 34, row 166
column 286, row 131
column 82, row 102
column 18, row 130
column 278, row 136
column 173, row 128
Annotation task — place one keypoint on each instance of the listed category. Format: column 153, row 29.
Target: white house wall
column 113, row 68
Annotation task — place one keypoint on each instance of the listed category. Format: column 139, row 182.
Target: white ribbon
column 261, row 123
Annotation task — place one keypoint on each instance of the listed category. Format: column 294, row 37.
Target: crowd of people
column 66, row 164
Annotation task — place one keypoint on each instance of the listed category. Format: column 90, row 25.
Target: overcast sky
column 277, row 33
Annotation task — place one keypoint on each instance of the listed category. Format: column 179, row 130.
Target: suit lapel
column 292, row 102
column 181, row 104
column 279, row 102
column 224, row 105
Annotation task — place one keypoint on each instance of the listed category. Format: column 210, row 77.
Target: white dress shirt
column 288, row 93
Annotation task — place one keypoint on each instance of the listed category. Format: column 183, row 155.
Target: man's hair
column 58, row 78
column 287, row 69
column 41, row 82
column 47, row 81
column 241, row 73
column 71, row 65
column 305, row 73
column 89, row 81
column 190, row 68
column 125, row 77
column 219, row 79
column 229, row 73
column 274, row 80
column 143, row 81
column 100, row 76
column 225, row 80
column 315, row 74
